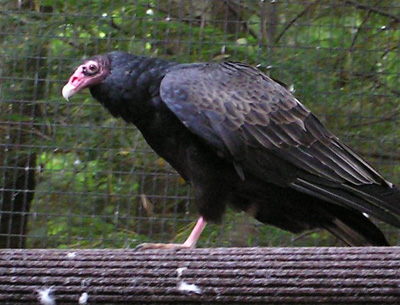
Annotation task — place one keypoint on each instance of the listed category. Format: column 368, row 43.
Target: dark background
column 73, row 176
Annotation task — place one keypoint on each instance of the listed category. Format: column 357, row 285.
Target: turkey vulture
column 242, row 139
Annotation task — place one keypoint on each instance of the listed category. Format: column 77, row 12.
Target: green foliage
column 343, row 62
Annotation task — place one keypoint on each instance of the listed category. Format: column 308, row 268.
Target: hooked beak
column 76, row 82
column 68, row 90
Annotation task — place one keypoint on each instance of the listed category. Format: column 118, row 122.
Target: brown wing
column 258, row 124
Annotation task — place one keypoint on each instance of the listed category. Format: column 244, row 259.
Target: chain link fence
column 73, row 176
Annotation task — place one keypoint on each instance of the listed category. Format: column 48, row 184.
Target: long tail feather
column 355, row 229
column 382, row 202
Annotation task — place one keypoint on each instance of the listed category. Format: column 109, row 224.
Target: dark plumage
column 242, row 139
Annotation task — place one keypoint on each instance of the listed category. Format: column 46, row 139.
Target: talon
column 160, row 246
column 190, row 243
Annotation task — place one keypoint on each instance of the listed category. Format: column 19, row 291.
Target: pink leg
column 191, row 241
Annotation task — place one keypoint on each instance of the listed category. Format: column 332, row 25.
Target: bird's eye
column 90, row 69
column 93, row 67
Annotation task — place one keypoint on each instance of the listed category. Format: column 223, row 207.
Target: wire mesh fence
column 71, row 175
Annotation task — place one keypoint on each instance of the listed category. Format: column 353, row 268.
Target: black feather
column 242, row 139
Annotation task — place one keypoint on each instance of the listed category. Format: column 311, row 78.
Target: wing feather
column 237, row 105
column 266, row 131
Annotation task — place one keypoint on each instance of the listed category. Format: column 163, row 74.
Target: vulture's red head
column 92, row 72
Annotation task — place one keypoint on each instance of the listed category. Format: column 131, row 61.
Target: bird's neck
column 131, row 91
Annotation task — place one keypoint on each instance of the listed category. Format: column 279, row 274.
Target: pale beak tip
column 67, row 91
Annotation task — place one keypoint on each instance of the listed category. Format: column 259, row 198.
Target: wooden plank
column 202, row 276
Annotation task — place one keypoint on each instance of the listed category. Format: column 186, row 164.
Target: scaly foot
column 161, row 246
column 190, row 243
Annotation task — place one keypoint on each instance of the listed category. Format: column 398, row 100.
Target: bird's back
column 240, row 138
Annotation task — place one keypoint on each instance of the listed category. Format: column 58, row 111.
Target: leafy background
column 97, row 182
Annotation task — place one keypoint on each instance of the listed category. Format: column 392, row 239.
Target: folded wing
column 265, row 131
